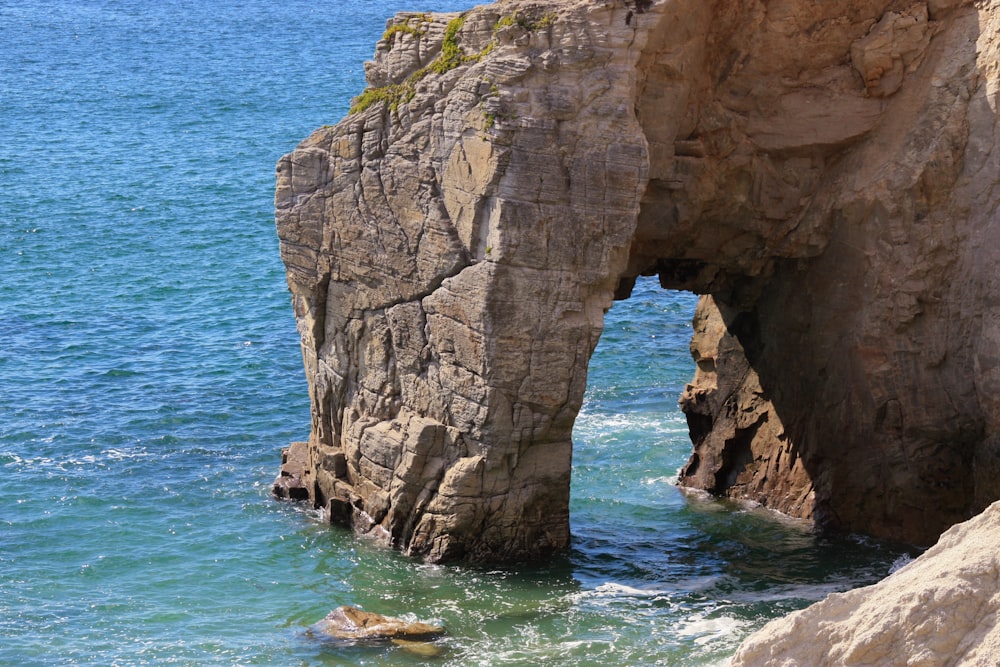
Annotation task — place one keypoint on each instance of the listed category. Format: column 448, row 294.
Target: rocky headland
column 823, row 173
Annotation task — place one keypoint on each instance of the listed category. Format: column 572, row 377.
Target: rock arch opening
column 630, row 438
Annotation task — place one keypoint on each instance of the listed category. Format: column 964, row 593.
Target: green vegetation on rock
column 417, row 29
column 531, row 23
column 451, row 56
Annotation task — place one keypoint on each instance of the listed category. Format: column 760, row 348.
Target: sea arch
column 453, row 245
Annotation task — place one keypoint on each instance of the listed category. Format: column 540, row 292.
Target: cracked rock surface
column 825, row 174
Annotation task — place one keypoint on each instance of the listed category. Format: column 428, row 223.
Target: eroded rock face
column 451, row 261
column 863, row 404
column 825, row 173
column 940, row 609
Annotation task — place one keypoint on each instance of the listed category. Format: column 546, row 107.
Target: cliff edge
column 825, row 174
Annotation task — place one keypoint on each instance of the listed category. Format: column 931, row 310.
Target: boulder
column 292, row 480
column 351, row 624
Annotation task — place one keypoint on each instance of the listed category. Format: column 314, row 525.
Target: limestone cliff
column 941, row 609
column 824, row 173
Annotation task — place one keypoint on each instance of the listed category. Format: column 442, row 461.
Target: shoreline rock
column 293, row 481
column 939, row 609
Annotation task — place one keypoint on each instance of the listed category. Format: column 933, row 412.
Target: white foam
column 645, row 419
column 810, row 592
column 662, row 479
column 612, row 589
column 900, row 563
column 704, row 630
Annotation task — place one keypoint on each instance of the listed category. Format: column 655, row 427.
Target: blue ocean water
column 150, row 373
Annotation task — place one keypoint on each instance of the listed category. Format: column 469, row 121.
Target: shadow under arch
column 834, row 359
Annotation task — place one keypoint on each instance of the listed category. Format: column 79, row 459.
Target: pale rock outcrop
column 939, row 610
column 825, row 173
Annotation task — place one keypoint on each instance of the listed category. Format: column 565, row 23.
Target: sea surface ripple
column 150, row 373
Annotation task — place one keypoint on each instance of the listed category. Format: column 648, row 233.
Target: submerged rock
column 424, row 649
column 940, row 609
column 352, row 624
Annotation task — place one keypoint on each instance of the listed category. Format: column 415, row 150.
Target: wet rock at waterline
column 292, row 481
column 824, row 173
column 350, row 624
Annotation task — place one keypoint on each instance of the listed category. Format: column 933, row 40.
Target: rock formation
column 291, row 482
column 824, row 173
column 940, row 609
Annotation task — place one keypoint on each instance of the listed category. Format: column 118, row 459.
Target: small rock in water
column 351, row 623
column 290, row 484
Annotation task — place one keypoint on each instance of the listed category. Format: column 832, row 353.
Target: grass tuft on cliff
column 418, row 29
column 450, row 57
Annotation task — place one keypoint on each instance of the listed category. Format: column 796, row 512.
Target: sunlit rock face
column 824, row 173
column 939, row 609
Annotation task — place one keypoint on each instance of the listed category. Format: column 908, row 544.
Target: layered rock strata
column 824, row 173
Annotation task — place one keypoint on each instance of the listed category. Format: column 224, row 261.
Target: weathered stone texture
column 866, row 350
column 824, row 173
column 450, row 262
column 940, row 609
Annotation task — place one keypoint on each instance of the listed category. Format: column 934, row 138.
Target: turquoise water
column 150, row 373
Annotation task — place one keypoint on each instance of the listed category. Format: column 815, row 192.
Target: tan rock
column 893, row 47
column 824, row 173
column 293, row 482
column 352, row 624
column 940, row 609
